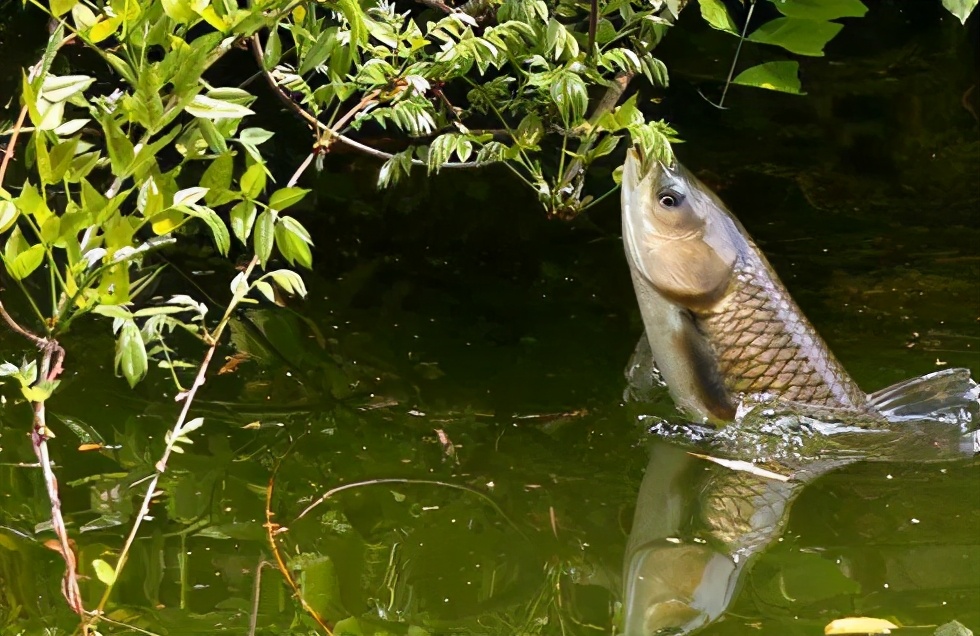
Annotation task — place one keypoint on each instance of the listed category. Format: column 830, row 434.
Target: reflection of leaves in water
column 431, row 557
column 800, row 579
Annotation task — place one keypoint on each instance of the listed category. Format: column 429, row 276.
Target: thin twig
column 438, row 5
column 400, row 480
column 9, row 151
column 161, row 465
column 52, row 357
column 731, row 69
column 272, row 530
column 608, row 101
column 37, row 340
column 175, row 432
column 323, row 128
column 361, row 105
column 253, row 618
column 593, row 24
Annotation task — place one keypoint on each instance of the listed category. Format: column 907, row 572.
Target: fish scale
column 764, row 344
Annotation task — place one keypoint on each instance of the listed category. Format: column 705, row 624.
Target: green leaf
column 70, row 127
column 400, row 164
column 82, row 165
column 774, row 76
column 25, row 262
column 320, row 51
column 113, row 311
column 104, row 571
column 960, row 8
column 295, row 227
column 440, row 150
column 189, row 196
column 604, row 147
column 217, row 179
column 30, row 202
column 655, row 71
column 529, row 131
column 253, row 181
column 51, row 230
column 149, row 201
column 122, row 67
column 255, row 136
column 121, row 152
column 822, row 9
column 293, row 248
column 61, row 158
column 8, row 215
column 40, row 391
column 242, row 219
column 92, row 200
column 83, row 17
column 180, row 11
column 16, row 244
column 219, row 232
column 42, row 159
column 61, row 7
column 60, row 88
column 215, row 109
column 796, row 35
column 715, row 14
column 289, row 281
column 191, row 426
column 351, row 10
column 266, row 290
column 131, row 353
column 570, row 96
column 463, row 148
column 103, row 29
column 50, row 114
column 264, row 236
column 285, row 197
column 272, row 51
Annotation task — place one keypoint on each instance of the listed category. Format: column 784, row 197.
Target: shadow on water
column 453, row 336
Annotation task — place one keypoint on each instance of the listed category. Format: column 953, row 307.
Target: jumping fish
column 720, row 327
column 720, row 324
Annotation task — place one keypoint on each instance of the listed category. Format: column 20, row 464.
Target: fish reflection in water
column 759, row 386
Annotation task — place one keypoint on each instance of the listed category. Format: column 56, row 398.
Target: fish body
column 719, row 322
column 719, row 325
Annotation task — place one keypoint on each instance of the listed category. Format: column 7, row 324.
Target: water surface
column 453, row 335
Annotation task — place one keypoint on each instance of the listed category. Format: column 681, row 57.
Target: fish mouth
column 638, row 168
column 638, row 190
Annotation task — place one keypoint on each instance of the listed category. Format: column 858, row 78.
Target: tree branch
column 318, row 125
column 606, row 104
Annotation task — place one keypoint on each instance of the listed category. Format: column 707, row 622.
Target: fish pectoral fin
column 707, row 391
column 643, row 379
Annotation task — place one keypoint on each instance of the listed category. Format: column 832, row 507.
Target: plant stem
column 9, row 152
column 52, row 357
column 608, row 101
column 161, row 465
column 331, row 133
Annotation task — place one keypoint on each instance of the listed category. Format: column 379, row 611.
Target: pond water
column 454, row 383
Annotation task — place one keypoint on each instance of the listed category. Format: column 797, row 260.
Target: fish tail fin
column 949, row 396
column 935, row 393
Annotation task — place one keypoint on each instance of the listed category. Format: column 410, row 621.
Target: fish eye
column 670, row 199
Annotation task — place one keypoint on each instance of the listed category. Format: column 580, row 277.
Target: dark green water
column 451, row 308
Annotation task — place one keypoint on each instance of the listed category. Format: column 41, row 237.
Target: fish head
column 679, row 237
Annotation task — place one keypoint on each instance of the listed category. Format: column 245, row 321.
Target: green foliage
column 97, row 204
column 776, row 76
